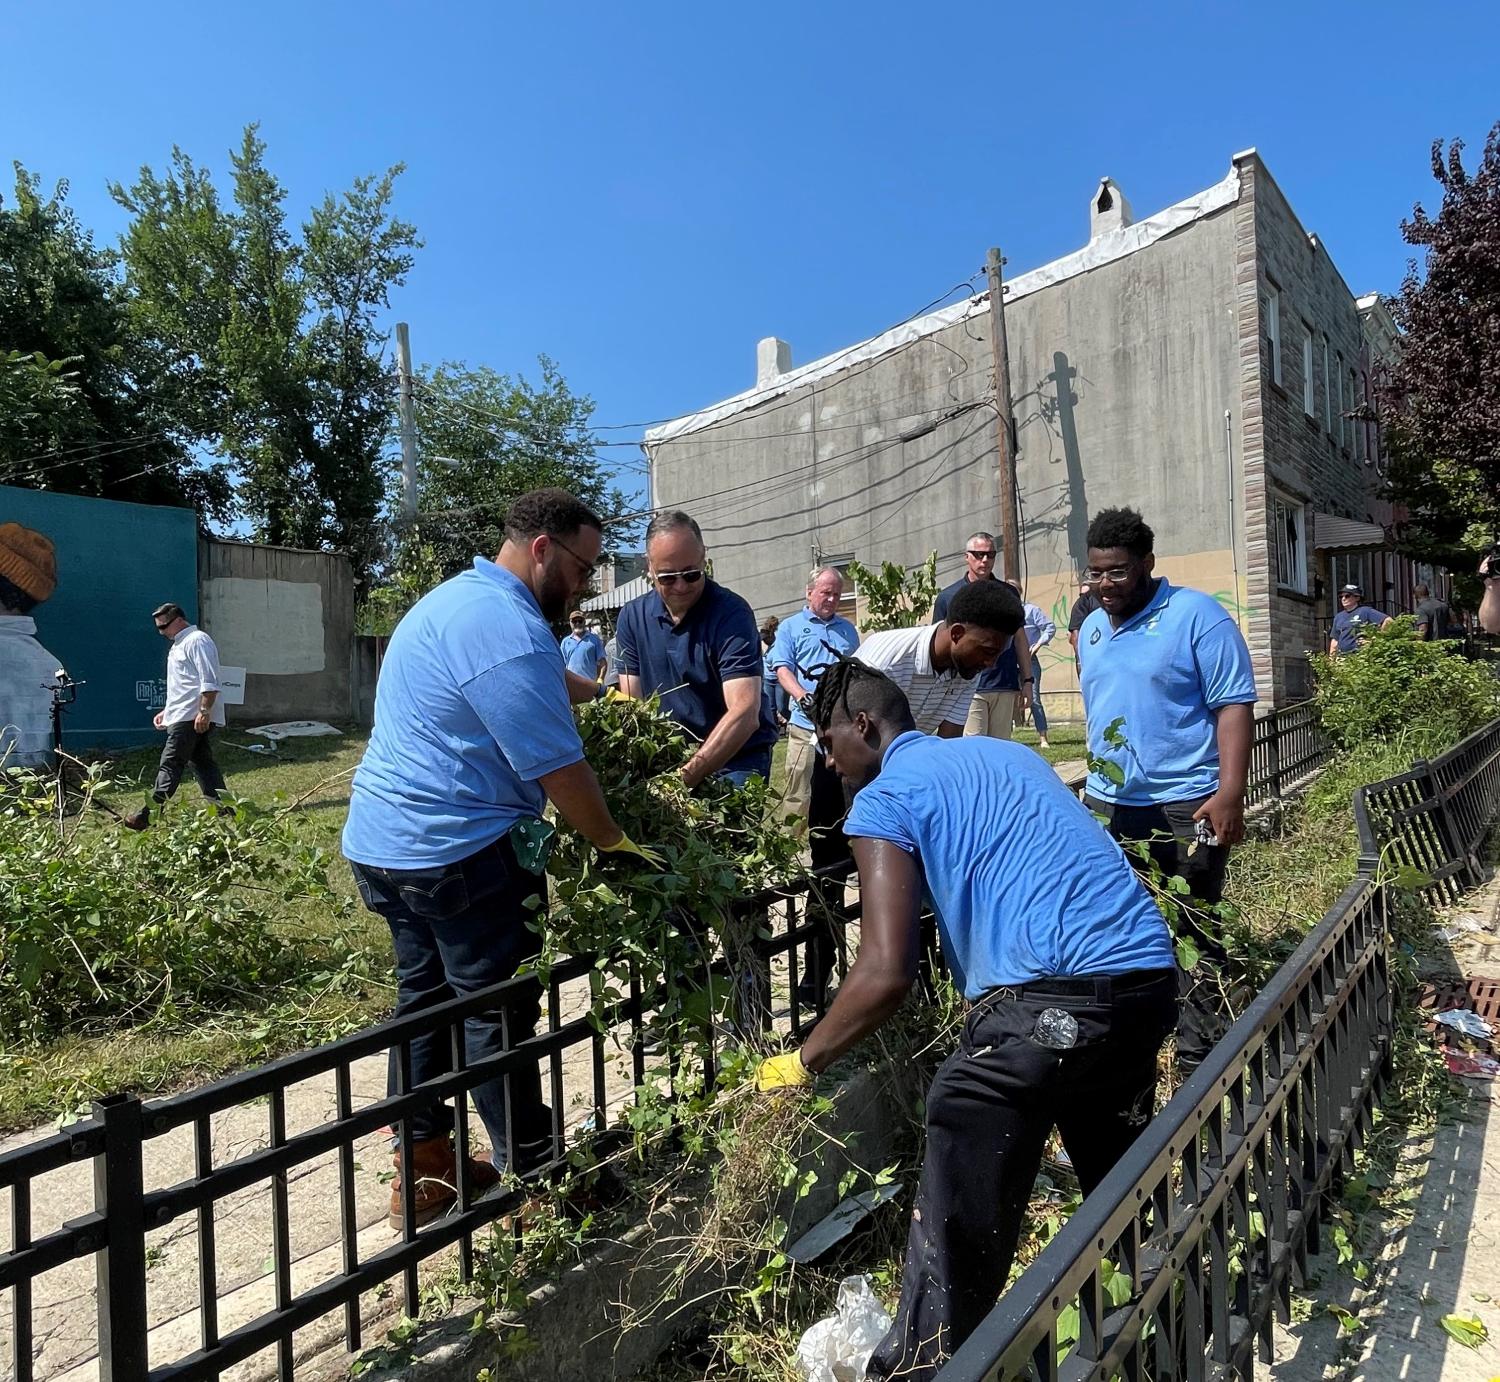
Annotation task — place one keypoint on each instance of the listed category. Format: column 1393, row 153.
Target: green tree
column 273, row 340
column 85, row 406
column 1441, row 401
column 482, row 439
column 893, row 597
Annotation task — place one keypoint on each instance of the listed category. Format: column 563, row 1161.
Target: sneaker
column 137, row 820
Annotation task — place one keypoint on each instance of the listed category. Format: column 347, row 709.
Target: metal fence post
column 1273, row 748
column 119, row 1198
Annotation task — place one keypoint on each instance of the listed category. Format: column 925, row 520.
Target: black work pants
column 990, row 1110
column 1173, row 834
column 184, row 747
column 829, row 846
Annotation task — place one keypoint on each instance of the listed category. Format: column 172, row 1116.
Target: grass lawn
column 309, row 776
column 1064, row 742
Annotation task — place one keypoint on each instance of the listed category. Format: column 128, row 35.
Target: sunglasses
column 162, row 626
column 672, row 577
column 979, row 556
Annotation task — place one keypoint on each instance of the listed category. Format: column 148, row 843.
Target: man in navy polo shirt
column 696, row 645
column 996, row 691
column 1353, row 616
column 1171, row 666
column 473, row 735
column 1064, row 960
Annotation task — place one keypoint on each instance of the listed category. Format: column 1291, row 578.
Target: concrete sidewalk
column 1444, row 1261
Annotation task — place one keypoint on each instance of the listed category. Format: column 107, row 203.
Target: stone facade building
column 1207, row 365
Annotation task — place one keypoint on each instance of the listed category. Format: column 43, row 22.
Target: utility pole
column 1005, row 449
column 408, row 423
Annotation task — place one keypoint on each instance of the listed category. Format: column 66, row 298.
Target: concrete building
column 1207, row 365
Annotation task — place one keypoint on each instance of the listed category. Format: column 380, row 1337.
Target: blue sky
column 642, row 191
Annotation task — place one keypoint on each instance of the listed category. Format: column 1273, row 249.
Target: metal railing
column 120, row 1135
column 1287, row 748
column 1211, row 1213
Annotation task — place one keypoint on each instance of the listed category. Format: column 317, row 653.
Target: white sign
column 232, row 685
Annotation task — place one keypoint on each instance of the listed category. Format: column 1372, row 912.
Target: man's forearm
column 575, row 792
column 864, row 1001
column 787, row 680
column 1234, row 728
column 580, row 689
column 725, row 740
column 206, row 699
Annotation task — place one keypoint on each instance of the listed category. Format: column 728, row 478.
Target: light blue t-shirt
column 583, row 652
column 799, row 645
column 1024, row 882
column 1164, row 673
column 470, row 711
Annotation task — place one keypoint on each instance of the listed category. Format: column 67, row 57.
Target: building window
column 1343, row 407
column 1327, row 389
column 1291, row 545
column 1270, row 315
column 1309, row 396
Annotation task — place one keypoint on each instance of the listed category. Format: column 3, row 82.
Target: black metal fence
column 1177, row 1265
column 579, row 1052
column 1288, row 747
column 591, row 1065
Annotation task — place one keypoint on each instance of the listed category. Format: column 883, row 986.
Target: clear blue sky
column 642, row 191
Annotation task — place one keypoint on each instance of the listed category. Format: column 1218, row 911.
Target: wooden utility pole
column 408, row 423
column 1010, row 555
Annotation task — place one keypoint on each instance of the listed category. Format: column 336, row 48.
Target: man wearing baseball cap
column 28, row 575
column 1353, row 615
column 582, row 649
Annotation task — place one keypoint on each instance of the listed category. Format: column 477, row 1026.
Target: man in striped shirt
column 935, row 664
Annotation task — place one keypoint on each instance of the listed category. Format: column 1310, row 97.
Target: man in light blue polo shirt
column 582, row 649
column 473, row 735
column 1064, row 959
column 1167, row 680
column 806, row 643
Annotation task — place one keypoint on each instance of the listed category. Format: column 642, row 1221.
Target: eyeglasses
column 589, row 567
column 162, row 627
column 1116, row 575
column 672, row 577
column 1348, row 594
column 980, row 556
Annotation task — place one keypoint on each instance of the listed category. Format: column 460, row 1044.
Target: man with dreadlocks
column 1065, row 963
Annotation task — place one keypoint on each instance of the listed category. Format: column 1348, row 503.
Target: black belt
column 1102, row 988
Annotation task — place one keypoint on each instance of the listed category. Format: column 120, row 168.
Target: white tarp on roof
column 1104, row 249
column 617, row 598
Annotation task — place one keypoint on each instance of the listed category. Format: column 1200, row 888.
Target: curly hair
column 850, row 686
column 988, row 605
column 13, row 598
column 1121, row 528
column 553, row 511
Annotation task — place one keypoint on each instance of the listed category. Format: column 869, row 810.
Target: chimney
column 1109, row 210
column 773, row 358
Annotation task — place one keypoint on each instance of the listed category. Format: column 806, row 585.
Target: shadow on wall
column 1062, row 378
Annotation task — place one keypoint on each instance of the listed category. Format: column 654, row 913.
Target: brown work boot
column 436, row 1188
column 137, row 820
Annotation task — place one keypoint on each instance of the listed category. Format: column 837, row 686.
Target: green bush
column 100, row 928
column 1396, row 687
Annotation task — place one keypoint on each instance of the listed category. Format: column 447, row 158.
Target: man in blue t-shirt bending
column 1170, row 693
column 1065, row 962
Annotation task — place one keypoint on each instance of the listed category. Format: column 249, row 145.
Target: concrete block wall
column 287, row 617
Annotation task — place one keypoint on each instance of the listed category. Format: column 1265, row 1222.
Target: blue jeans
column 456, row 929
column 1038, row 715
column 741, row 775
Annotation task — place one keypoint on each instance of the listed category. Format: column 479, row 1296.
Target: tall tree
column 482, row 439
column 1441, row 400
column 273, row 339
column 85, row 406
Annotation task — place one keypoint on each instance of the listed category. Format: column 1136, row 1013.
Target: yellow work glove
column 613, row 693
column 782, row 1072
column 625, row 845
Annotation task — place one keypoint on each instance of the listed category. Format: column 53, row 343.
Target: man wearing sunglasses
column 474, row 735
column 696, row 645
column 998, row 690
column 1170, row 692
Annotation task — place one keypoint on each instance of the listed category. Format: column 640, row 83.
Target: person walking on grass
column 474, row 735
column 1064, row 961
column 193, row 710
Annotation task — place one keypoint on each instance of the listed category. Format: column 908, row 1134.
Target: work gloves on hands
column 782, row 1072
column 625, row 845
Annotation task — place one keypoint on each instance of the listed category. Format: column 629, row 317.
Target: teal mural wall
column 115, row 564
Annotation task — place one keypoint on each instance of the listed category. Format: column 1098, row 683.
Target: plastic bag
column 1469, row 1023
column 838, row 1349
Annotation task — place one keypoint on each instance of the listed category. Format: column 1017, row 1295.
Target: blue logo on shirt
column 1094, row 638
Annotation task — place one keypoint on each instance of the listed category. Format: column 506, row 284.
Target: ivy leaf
column 1188, row 953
